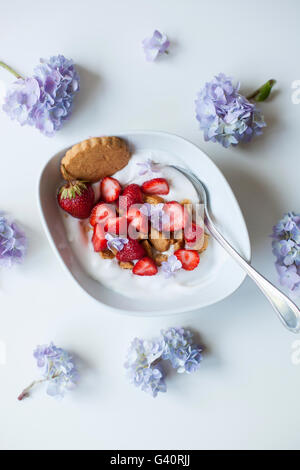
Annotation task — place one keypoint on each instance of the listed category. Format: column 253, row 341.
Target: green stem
column 270, row 84
column 7, row 67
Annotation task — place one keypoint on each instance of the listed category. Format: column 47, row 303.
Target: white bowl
column 221, row 276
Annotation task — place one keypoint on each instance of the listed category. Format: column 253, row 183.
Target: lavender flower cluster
column 58, row 368
column 44, row 100
column 225, row 116
column 141, row 366
column 13, row 243
column 143, row 359
column 286, row 248
column 58, row 371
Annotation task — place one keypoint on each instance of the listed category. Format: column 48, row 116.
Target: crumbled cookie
column 176, row 236
column 95, row 158
column 178, row 245
column 185, row 201
column 188, row 206
column 107, row 254
column 159, row 241
column 126, row 264
column 148, row 248
column 205, row 243
column 160, row 258
column 132, row 233
column 153, row 199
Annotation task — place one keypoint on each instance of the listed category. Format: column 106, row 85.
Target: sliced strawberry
column 110, row 189
column 98, row 240
column 175, row 217
column 193, row 233
column 101, row 212
column 137, row 220
column 189, row 259
column 132, row 194
column 132, row 250
column 156, row 186
column 116, row 225
column 145, row 267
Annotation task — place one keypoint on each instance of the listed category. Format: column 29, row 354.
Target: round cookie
column 95, row 158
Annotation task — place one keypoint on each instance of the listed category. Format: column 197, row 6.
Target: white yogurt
column 107, row 271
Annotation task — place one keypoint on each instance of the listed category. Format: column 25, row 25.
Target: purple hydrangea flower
column 289, row 276
column 286, row 248
column 180, row 350
column 58, row 371
column 141, row 368
column 58, row 368
column 13, row 243
column 115, row 242
column 143, row 360
column 170, row 267
column 147, row 168
column 155, row 45
column 44, row 100
column 22, row 96
column 225, row 116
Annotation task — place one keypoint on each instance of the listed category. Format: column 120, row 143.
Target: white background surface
column 246, row 394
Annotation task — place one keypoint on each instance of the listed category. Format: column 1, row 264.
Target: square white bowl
column 220, row 276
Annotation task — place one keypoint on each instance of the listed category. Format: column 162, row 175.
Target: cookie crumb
column 159, row 259
column 205, row 243
column 153, row 199
column 126, row 264
column 159, row 240
column 148, row 248
column 178, row 245
column 107, row 254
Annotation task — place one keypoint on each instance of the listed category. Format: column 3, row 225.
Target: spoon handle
column 287, row 311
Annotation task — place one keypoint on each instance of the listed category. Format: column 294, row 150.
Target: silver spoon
column 287, row 311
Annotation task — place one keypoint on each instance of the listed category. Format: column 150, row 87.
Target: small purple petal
column 170, row 267
column 115, row 242
column 147, row 167
column 155, row 45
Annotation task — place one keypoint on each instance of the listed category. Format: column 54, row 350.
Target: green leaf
column 263, row 92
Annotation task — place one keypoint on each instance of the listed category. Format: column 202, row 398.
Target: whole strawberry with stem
column 77, row 198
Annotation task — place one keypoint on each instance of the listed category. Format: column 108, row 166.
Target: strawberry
column 98, row 240
column 175, row 217
column 132, row 250
column 116, row 225
column 77, row 198
column 137, row 220
column 132, row 194
column 101, row 212
column 110, row 189
column 156, row 186
column 193, row 233
column 189, row 259
column 145, row 267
